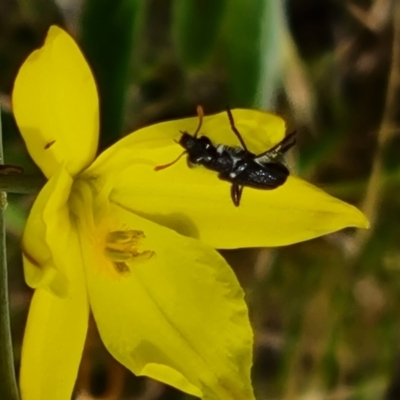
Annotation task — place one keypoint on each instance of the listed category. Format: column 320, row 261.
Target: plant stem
column 8, row 384
column 22, row 184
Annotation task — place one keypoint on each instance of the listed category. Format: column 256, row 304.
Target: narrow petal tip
column 360, row 220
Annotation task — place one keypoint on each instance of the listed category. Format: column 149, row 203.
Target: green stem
column 8, row 384
column 22, row 184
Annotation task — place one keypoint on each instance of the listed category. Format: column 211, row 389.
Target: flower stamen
column 122, row 247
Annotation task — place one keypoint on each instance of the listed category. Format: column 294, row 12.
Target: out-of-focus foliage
column 108, row 36
column 249, row 49
column 195, row 28
column 325, row 312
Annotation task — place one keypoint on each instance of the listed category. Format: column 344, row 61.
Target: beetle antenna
column 287, row 146
column 283, row 146
column 200, row 114
column 234, row 129
column 160, row 167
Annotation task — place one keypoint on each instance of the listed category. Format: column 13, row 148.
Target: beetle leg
column 236, row 193
column 235, row 130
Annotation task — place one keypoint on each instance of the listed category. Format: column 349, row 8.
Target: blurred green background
column 325, row 312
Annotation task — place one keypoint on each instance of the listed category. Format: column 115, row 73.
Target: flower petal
column 56, row 106
column 46, row 236
column 166, row 306
column 58, row 315
column 53, row 342
column 195, row 203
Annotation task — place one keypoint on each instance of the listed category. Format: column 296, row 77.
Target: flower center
column 122, row 247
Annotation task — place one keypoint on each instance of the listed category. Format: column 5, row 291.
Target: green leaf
column 195, row 27
column 253, row 45
column 108, row 33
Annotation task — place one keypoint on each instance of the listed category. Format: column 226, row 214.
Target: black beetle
column 236, row 165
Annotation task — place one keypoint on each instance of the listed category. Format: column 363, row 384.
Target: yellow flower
column 136, row 246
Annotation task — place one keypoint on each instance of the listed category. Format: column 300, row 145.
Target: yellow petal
column 56, row 106
column 54, row 338
column 46, row 234
column 166, row 306
column 195, row 203
column 58, row 316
